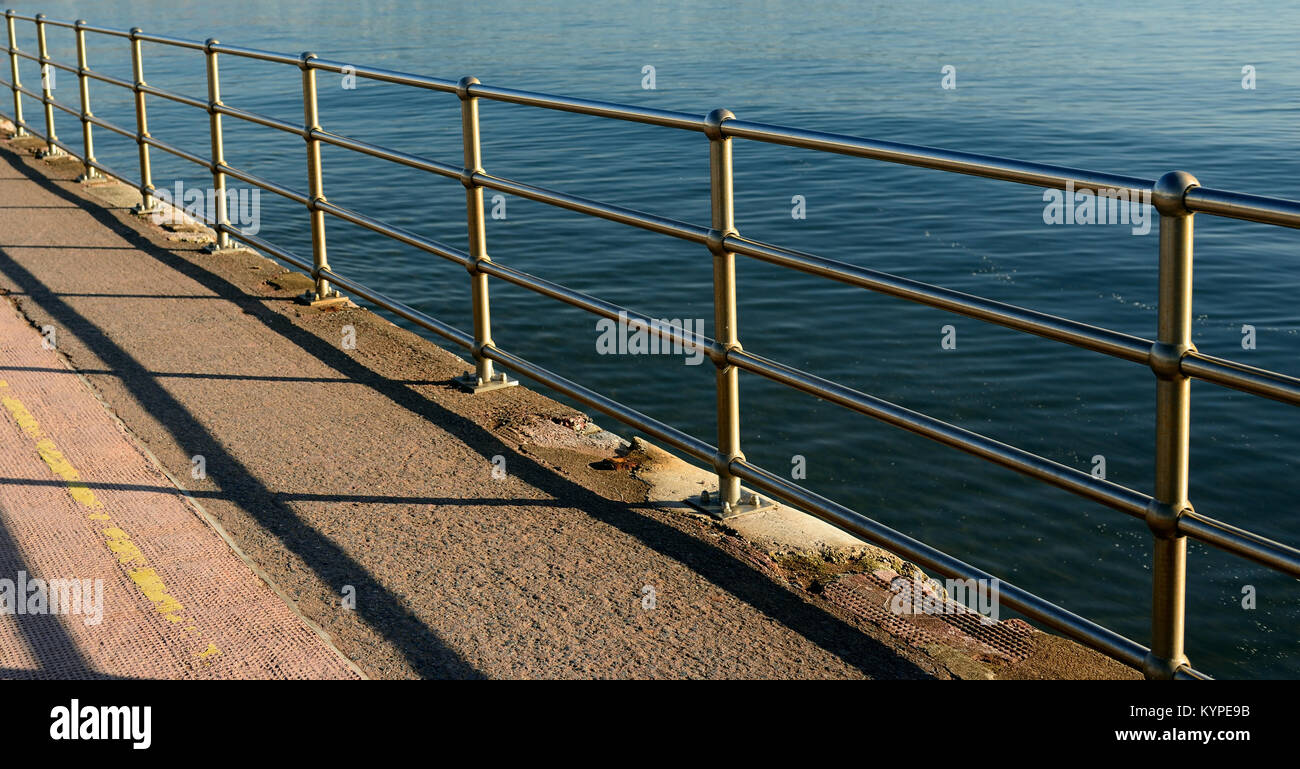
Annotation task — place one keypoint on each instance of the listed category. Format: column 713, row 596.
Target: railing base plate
column 310, row 299
column 750, row 502
column 471, row 383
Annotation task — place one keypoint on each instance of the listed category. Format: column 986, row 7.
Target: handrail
column 1177, row 196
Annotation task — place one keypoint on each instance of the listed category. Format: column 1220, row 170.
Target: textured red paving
column 205, row 616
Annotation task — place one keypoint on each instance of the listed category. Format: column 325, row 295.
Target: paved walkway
column 359, row 480
column 122, row 576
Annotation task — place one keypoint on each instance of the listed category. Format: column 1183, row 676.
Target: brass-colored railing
column 1174, row 360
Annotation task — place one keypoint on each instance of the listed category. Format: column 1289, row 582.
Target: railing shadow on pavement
column 420, row 645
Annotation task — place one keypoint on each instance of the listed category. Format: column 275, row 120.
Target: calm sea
column 1107, row 86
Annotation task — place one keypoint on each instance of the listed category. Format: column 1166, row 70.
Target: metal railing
column 1177, row 197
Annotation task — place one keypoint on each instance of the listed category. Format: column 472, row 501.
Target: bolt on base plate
column 50, row 153
column 309, row 298
column 471, row 383
column 711, row 504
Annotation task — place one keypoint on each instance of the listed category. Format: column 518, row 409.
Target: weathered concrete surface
column 365, row 472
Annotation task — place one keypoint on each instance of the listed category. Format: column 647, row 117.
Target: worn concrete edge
column 195, row 506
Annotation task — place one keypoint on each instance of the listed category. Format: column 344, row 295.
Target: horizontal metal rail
column 283, row 255
column 1101, row 340
column 1239, row 376
column 384, row 75
column 40, row 97
column 101, row 77
column 689, row 342
column 61, row 106
column 988, row 166
column 173, row 96
column 1262, row 550
column 628, row 216
column 102, row 123
column 396, row 233
column 57, row 65
column 1170, row 357
column 659, row 117
column 153, row 141
column 444, row 330
column 384, row 153
column 253, row 53
column 177, row 42
column 1076, row 481
column 265, row 184
column 265, row 120
column 1237, row 205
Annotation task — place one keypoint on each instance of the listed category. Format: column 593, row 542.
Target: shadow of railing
column 421, row 646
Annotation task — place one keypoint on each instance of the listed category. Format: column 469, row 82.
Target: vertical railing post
column 47, row 74
column 1173, row 426
column 323, row 294
column 15, row 81
column 83, row 85
column 141, row 125
column 483, row 378
column 724, row 308
column 729, row 501
column 220, row 218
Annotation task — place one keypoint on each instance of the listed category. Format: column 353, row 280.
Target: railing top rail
column 217, row 46
column 1234, row 205
column 1239, row 205
column 661, row 117
column 990, row 166
column 106, row 30
column 164, row 40
column 384, row 75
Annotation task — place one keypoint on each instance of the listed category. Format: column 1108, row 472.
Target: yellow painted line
column 153, row 588
column 119, row 542
column 122, row 546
